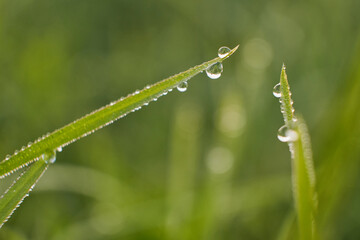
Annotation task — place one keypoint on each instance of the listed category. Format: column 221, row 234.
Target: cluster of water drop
column 214, row 71
column 286, row 132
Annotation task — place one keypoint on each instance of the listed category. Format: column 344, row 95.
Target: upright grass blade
column 303, row 176
column 100, row 118
column 20, row 189
column 304, row 181
column 285, row 99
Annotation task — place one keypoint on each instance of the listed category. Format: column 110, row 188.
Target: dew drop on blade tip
column 182, row 87
column 214, row 71
column 223, row 51
column 277, row 91
column 287, row 135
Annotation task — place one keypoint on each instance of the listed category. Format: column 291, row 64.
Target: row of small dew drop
column 214, row 71
column 285, row 133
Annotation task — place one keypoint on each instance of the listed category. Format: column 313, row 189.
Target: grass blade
column 303, row 174
column 99, row 118
column 304, row 182
column 20, row 189
column 285, row 99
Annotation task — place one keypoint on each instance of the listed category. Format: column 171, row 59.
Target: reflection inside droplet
column 287, row 135
column 182, row 87
column 223, row 51
column 215, row 70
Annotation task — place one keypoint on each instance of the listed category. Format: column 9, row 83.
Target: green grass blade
column 20, row 189
column 303, row 174
column 100, row 118
column 304, row 182
column 285, row 99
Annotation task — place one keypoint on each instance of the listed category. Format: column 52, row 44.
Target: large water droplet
column 277, row 91
column 287, row 135
column 215, row 70
column 182, row 87
column 223, row 51
column 49, row 157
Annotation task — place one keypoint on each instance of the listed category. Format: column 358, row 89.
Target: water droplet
column 49, row 157
column 59, row 149
column 223, row 51
column 215, row 70
column 282, row 109
column 287, row 135
column 276, row 90
column 182, row 87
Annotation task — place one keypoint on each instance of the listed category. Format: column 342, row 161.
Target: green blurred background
column 204, row 164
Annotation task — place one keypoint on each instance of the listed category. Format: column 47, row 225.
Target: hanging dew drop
column 223, row 51
column 59, row 149
column 215, row 70
column 287, row 135
column 277, row 91
column 182, row 87
column 49, row 157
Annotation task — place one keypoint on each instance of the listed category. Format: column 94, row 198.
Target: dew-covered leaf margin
column 99, row 118
column 303, row 174
column 15, row 194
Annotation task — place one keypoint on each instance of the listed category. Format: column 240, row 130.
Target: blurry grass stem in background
column 38, row 155
column 295, row 133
